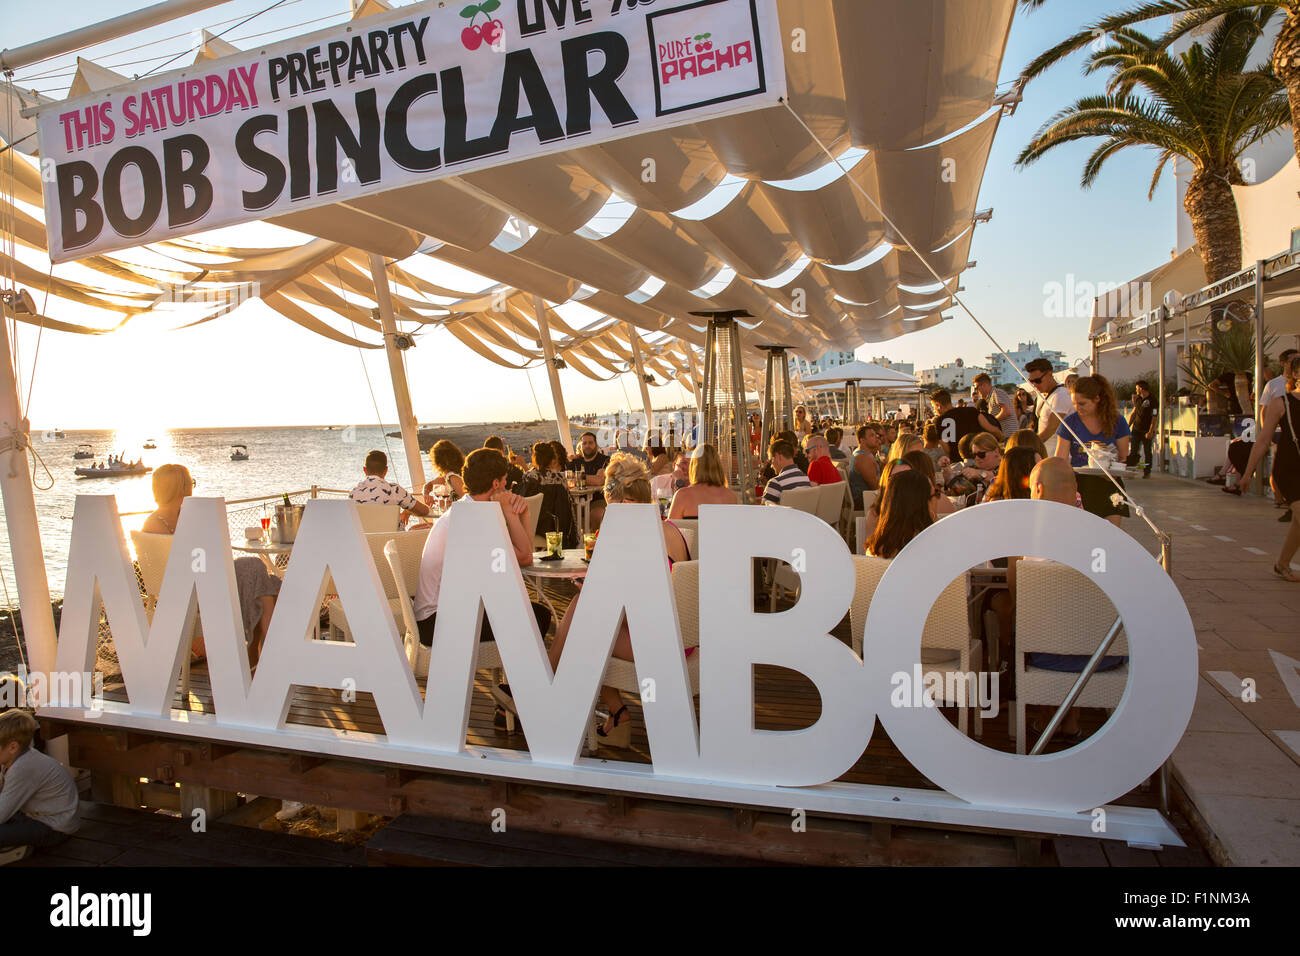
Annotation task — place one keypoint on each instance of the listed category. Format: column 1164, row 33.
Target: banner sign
column 720, row 757
column 419, row 93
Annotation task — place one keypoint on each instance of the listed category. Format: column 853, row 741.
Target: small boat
column 58, row 433
column 83, row 451
column 239, row 453
column 114, row 471
column 149, row 444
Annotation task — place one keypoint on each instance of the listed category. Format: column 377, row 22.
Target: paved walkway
column 1239, row 761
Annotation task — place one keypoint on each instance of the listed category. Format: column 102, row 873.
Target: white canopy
column 742, row 212
column 866, row 374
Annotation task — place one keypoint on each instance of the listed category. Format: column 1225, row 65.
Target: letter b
column 78, row 183
column 733, row 638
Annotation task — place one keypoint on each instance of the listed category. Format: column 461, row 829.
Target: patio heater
column 778, row 408
column 724, row 421
column 855, row 412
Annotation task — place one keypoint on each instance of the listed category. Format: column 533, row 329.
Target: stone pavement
column 1239, row 762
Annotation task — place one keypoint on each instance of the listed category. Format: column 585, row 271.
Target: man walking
column 1142, row 424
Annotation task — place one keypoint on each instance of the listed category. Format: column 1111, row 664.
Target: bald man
column 1053, row 480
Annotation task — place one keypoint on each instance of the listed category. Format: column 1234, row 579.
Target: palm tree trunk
column 1286, row 64
column 1213, row 211
column 1217, row 226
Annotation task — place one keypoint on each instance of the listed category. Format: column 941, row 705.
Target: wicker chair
column 379, row 518
column 686, row 592
column 1060, row 611
column 489, row 658
column 410, row 547
column 690, row 529
column 947, row 646
column 830, row 503
column 151, row 553
column 534, row 513
column 809, row 501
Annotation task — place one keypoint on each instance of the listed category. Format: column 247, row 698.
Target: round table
column 570, row 568
column 267, row 551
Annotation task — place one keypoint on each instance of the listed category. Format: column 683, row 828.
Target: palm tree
column 1200, row 104
column 1190, row 15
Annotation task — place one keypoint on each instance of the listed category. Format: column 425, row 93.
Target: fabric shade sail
column 745, row 212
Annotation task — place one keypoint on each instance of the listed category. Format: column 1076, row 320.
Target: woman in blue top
column 1096, row 421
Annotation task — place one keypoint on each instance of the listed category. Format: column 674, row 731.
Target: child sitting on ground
column 38, row 798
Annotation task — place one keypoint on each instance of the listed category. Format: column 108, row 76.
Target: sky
column 257, row 368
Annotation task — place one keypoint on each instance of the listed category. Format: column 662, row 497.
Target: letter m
column 100, row 577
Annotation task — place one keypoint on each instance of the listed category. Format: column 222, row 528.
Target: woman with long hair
column 1096, row 426
column 448, row 462
column 708, row 485
column 918, row 460
column 1026, row 438
column 802, row 425
column 1283, row 411
column 1012, row 482
column 893, row 467
column 1025, row 411
column 905, row 442
column 546, row 479
column 904, row 513
column 561, row 454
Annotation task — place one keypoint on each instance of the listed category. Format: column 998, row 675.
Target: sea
column 281, row 460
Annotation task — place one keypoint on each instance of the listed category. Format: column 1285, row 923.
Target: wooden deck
column 427, row 804
column 118, row 836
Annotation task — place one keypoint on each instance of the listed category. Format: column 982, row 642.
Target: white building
column 1002, row 372
column 907, row 368
column 799, row 367
column 955, row 376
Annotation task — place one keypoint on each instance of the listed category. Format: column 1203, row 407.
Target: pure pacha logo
column 702, row 56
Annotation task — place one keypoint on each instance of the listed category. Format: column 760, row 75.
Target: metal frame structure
column 778, row 406
column 1153, row 326
column 725, row 408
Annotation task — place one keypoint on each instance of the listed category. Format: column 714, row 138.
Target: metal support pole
column 552, row 373
column 710, row 405
column 1161, row 398
column 1259, row 335
column 82, row 37
column 740, row 432
column 1257, row 483
column 21, row 521
column 638, row 363
column 401, row 393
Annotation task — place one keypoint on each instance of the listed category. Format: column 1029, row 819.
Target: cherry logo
column 702, row 42
column 476, row 34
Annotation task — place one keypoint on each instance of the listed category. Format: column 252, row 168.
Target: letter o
column 1158, row 696
column 151, row 191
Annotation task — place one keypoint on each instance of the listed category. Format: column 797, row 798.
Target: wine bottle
column 287, row 502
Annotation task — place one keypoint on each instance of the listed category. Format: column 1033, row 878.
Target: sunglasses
column 1035, row 381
